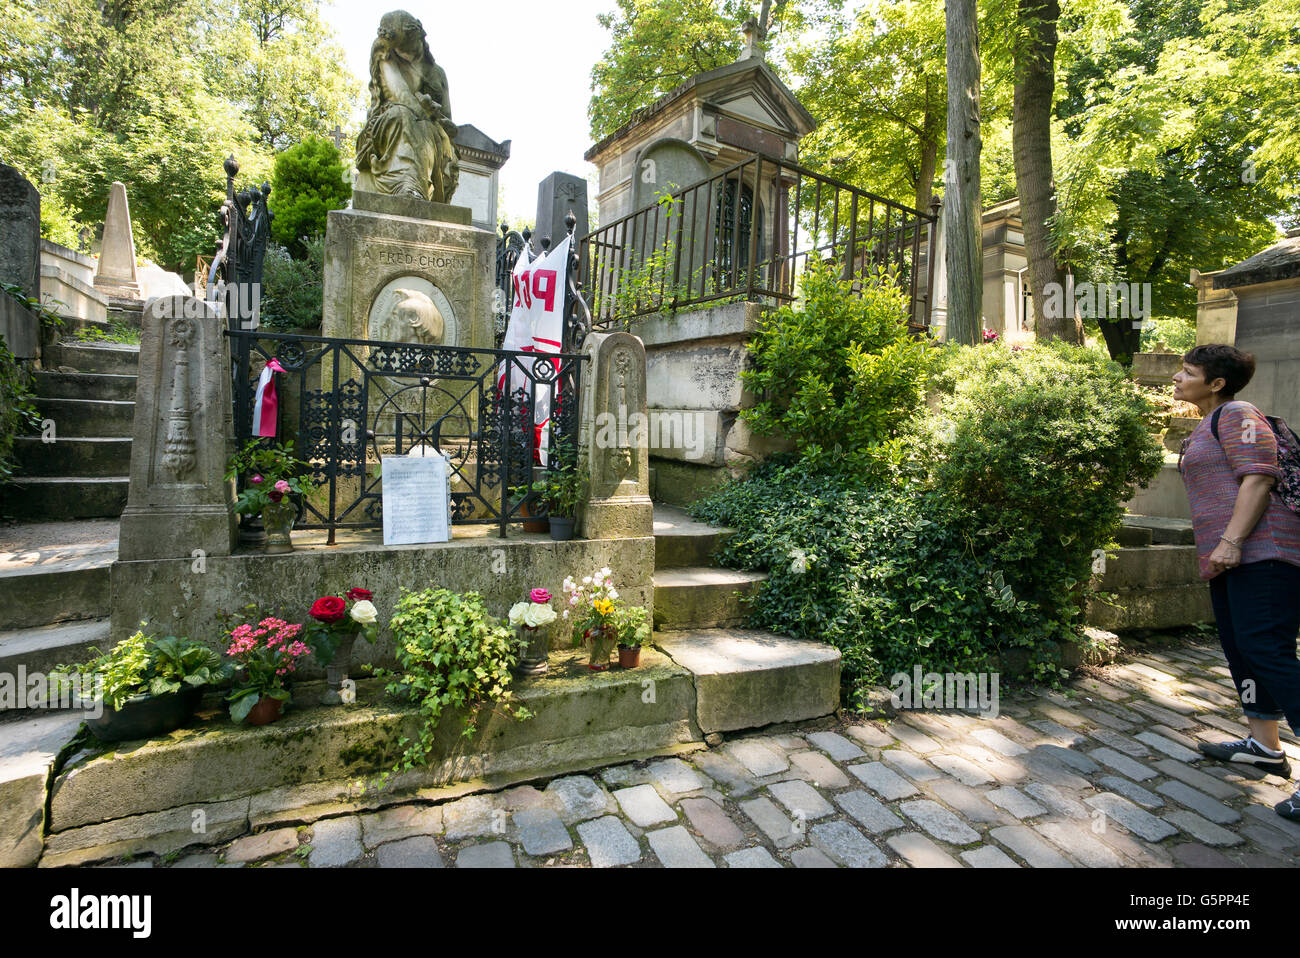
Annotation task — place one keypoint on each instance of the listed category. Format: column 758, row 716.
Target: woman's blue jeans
column 1257, row 609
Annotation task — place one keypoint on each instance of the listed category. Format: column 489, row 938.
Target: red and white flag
column 537, row 325
column 265, row 403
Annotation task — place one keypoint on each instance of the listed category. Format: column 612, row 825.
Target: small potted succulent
column 595, row 612
column 632, row 632
column 532, row 619
column 271, row 477
column 266, row 654
column 337, row 623
column 144, row 686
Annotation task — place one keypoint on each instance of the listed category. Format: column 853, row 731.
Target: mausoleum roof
column 1279, row 261
column 801, row 121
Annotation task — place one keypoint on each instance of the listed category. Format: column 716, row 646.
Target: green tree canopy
column 93, row 91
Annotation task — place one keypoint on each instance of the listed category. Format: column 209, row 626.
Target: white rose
column 538, row 614
column 364, row 612
column 517, row 612
column 613, row 593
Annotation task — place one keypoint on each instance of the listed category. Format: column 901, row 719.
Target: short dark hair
column 1220, row 360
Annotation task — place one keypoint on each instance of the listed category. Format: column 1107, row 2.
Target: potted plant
column 144, row 686
column 266, row 655
column 529, row 509
column 596, row 612
column 337, row 623
column 271, row 477
column 632, row 631
column 453, row 658
column 560, row 491
column 532, row 618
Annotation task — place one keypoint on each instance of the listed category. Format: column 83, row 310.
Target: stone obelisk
column 116, row 272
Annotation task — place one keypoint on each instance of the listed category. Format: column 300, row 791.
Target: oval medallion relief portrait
column 410, row 309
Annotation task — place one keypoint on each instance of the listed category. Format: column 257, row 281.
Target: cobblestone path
column 1103, row 773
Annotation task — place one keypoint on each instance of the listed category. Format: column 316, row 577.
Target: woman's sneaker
column 1289, row 808
column 1249, row 752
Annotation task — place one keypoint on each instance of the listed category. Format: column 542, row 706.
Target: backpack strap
column 1214, row 423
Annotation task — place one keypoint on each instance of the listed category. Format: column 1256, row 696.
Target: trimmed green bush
column 837, row 374
column 984, row 550
column 307, row 184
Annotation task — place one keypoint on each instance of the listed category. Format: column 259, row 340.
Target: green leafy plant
column 293, row 289
column 307, row 184
column 140, row 665
column 837, row 373
column 453, row 657
column 17, row 408
column 270, row 473
column 117, row 332
column 633, row 627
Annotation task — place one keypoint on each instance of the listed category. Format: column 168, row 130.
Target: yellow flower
column 603, row 606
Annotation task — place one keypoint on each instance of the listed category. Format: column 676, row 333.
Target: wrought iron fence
column 746, row 233
column 349, row 402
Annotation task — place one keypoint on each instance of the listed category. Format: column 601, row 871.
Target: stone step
column 1158, row 607
column 110, row 386
column 55, row 572
column 28, row 749
column 748, row 679
column 55, row 498
column 1164, row 532
column 1150, row 567
column 101, row 457
column 694, row 597
column 1165, row 496
column 40, row 649
column 99, row 357
column 89, row 417
column 582, row 720
column 681, row 541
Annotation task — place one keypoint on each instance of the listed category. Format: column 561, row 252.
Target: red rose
column 359, row 595
column 328, row 609
column 275, row 496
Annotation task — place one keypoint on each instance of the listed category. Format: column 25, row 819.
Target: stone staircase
column 745, row 678
column 87, row 391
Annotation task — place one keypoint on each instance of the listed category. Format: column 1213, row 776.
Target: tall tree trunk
column 1031, row 142
column 964, row 239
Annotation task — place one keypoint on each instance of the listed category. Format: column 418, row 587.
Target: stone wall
column 693, row 365
column 185, row 597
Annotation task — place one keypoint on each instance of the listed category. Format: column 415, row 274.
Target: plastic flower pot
column 561, row 528
column 145, row 716
column 629, row 657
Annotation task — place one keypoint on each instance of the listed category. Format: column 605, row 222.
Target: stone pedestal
column 116, row 275
column 179, row 501
column 615, row 439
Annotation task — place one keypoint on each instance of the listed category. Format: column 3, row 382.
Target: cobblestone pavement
column 1102, row 773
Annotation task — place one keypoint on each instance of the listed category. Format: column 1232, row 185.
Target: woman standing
column 1248, row 544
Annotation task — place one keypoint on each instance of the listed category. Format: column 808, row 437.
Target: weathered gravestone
column 20, row 245
column 615, row 444
column 178, row 505
column 557, row 196
column 20, row 231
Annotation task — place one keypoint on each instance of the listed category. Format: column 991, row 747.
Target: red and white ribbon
column 266, row 403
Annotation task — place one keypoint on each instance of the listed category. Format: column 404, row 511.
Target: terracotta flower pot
column 534, row 525
column 629, row 658
column 266, row 710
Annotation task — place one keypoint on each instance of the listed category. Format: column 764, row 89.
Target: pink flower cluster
column 277, row 633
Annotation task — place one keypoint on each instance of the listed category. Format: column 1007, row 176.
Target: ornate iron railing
column 746, row 233
column 348, row 402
